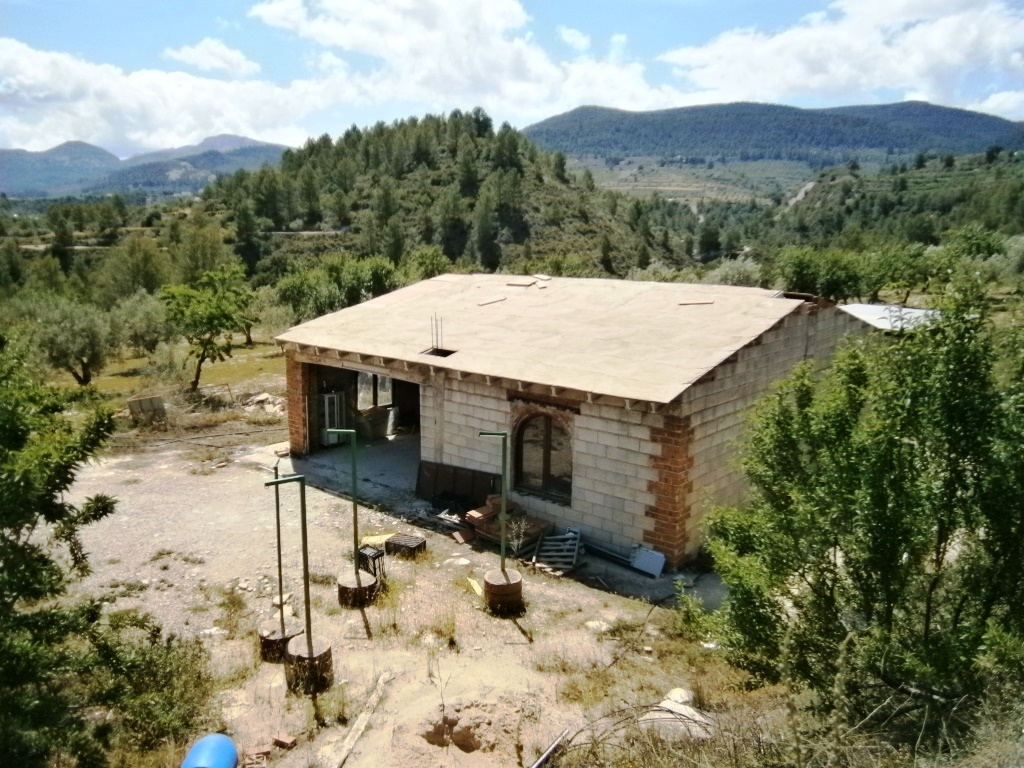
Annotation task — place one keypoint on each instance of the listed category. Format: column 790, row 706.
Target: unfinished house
column 623, row 401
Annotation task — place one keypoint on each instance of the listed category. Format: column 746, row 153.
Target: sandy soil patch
column 467, row 687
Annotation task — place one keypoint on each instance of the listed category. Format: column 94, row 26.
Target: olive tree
column 76, row 338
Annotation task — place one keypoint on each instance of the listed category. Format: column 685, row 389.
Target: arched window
column 544, row 458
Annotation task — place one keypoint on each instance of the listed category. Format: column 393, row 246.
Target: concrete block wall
column 612, row 466
column 452, row 414
column 718, row 409
column 613, row 475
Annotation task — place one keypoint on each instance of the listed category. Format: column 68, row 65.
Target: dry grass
column 235, row 617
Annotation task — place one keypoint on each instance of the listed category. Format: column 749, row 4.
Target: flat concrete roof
column 626, row 339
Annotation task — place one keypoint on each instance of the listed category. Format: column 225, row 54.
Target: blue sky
column 133, row 75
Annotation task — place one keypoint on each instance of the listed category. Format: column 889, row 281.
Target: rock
column 680, row 696
column 453, row 562
column 279, row 599
column 214, row 632
column 672, row 719
column 597, row 626
column 260, row 398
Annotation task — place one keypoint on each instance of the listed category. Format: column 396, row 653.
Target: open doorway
column 384, row 412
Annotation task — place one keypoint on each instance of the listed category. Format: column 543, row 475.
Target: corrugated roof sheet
column 634, row 340
column 889, row 317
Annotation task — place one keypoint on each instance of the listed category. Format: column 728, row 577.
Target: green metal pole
column 301, row 480
column 503, row 517
column 354, row 450
column 280, row 573
column 305, row 567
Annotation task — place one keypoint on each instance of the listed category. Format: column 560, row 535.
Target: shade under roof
column 627, row 339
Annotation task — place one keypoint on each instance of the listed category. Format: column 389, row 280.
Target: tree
column 141, row 321
column 76, row 338
column 138, row 264
column 879, row 557
column 428, row 262
column 201, row 252
column 12, row 266
column 484, row 236
column 41, row 716
column 207, row 314
column 247, row 240
column 558, row 168
column 108, row 223
column 63, row 246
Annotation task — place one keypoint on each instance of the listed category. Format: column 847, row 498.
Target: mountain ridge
column 742, row 129
column 77, row 167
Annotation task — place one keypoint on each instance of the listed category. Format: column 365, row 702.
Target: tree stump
column 274, row 645
column 353, row 595
column 503, row 590
column 305, row 674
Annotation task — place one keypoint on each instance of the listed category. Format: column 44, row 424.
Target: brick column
column 670, row 511
column 301, row 398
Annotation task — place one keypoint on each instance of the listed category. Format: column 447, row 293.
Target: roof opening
column 439, row 352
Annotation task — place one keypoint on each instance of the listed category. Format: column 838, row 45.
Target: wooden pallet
column 557, row 555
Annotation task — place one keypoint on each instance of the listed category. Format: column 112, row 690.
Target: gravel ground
column 183, row 534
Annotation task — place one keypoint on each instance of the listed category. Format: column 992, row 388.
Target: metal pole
column 301, row 480
column 354, row 450
column 503, row 517
column 280, row 575
column 305, row 567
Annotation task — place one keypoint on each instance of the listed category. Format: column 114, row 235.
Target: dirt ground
column 186, row 534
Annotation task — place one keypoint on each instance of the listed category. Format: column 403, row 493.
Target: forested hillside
column 747, row 131
column 123, row 296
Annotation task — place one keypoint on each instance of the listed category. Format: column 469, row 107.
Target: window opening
column 544, row 458
column 373, row 390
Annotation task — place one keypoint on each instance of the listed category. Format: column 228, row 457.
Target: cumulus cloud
column 936, row 50
column 574, row 38
column 368, row 56
column 49, row 97
column 212, row 54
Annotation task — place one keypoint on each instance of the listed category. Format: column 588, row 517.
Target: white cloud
column 936, row 50
column 50, row 97
column 574, row 38
column 369, row 57
column 459, row 53
column 212, row 54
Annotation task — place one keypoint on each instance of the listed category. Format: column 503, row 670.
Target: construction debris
column 557, row 555
column 363, row 719
column 521, row 532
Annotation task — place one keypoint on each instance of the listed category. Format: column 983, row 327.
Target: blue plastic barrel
column 213, row 751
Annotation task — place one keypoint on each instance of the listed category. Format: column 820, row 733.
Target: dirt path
column 181, row 538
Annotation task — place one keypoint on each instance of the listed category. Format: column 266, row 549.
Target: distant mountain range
column 76, row 168
column 747, row 131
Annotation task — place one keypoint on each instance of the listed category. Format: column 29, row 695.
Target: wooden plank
column 464, row 535
column 363, row 719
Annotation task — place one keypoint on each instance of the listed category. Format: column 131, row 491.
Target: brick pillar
column 301, row 398
column 670, row 511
